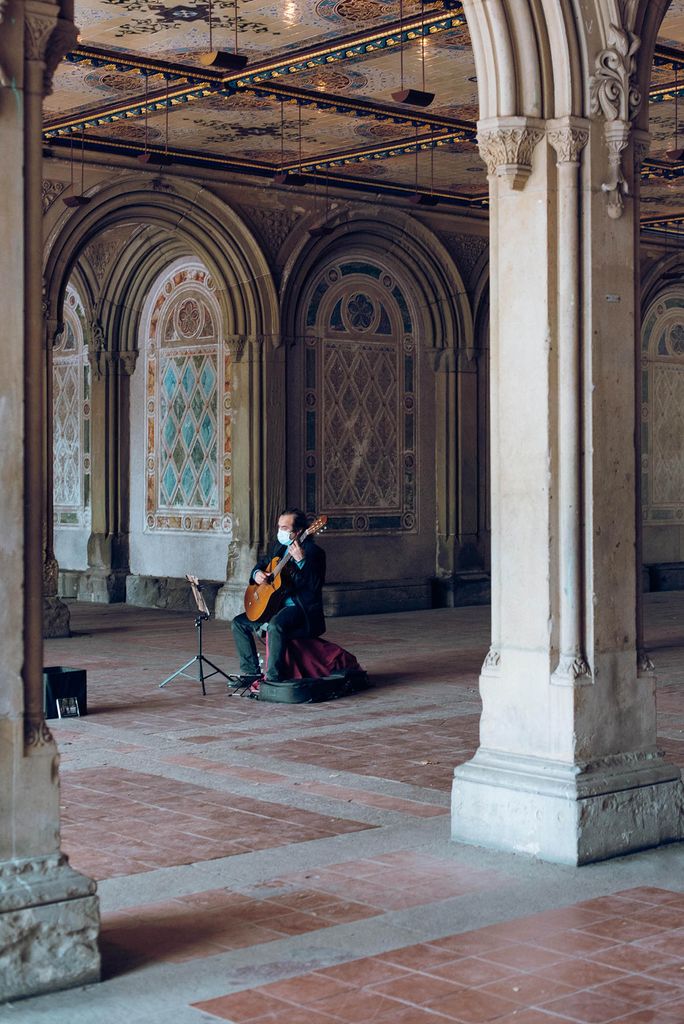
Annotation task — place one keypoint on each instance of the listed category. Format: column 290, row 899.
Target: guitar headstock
column 319, row 524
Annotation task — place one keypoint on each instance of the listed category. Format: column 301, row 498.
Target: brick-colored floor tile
column 581, row 974
column 528, row 989
column 356, row 1006
column 420, row 989
column 643, row 991
column 473, row 1006
column 363, row 972
column 241, row 1006
column 471, row 971
column 590, row 1007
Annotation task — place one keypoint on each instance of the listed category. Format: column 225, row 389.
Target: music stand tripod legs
column 200, row 659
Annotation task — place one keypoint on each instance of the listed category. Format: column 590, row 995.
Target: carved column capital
column 127, row 361
column 237, row 345
column 63, row 39
column 39, row 22
column 568, row 136
column 506, row 146
column 616, row 97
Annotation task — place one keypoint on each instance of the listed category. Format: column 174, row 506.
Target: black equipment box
column 66, row 686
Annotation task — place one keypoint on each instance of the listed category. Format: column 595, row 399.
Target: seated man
column 301, row 614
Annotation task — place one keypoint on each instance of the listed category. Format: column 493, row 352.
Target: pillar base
column 230, row 601
column 55, row 618
column 102, row 587
column 565, row 813
column 49, row 923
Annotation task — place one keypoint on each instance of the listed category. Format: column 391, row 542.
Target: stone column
column 568, row 767
column 48, row 912
column 55, row 611
column 456, row 386
column 258, row 470
column 108, row 545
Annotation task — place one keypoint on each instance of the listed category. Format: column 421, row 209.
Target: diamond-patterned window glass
column 188, row 382
column 359, row 415
column 71, row 418
column 662, row 410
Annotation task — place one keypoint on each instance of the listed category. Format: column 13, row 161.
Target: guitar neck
column 288, row 554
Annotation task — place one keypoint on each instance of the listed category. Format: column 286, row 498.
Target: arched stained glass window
column 188, row 392
column 359, row 416
column 71, row 418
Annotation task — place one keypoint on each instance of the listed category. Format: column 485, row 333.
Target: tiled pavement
column 292, row 865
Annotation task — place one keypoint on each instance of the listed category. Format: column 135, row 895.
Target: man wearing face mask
column 302, row 612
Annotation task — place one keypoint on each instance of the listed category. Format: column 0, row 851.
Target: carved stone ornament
column 645, row 666
column 237, row 346
column 127, row 361
column 568, row 142
column 506, row 146
column 273, row 224
column 572, row 668
column 51, row 191
column 466, row 250
column 97, row 349
column 37, row 733
column 39, row 24
column 615, row 96
column 492, row 662
column 63, row 39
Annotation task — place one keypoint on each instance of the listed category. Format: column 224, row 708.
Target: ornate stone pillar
column 55, row 611
column 108, row 545
column 568, row 767
column 258, row 470
column 48, row 912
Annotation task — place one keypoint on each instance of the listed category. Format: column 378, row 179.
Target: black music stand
column 201, row 659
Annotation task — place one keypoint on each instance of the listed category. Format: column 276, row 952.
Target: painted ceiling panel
column 348, row 112
column 180, row 29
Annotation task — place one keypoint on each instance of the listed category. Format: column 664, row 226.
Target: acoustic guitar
column 263, row 600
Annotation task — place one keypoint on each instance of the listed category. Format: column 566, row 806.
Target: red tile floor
column 292, row 865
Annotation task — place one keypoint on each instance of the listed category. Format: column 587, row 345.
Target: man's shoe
column 244, row 680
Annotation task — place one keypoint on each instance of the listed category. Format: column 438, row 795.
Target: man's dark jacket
column 305, row 585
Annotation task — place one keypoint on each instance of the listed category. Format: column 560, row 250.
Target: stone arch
column 177, row 221
column 192, row 219
column 534, row 59
column 404, row 257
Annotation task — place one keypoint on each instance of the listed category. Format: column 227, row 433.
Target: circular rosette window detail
column 188, row 318
column 361, row 313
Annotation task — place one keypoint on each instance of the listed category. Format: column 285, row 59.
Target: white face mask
column 283, row 537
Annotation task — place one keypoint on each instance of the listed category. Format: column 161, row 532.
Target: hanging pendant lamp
column 80, row 200
column 677, row 154
column 223, row 60
column 284, row 177
column 412, row 97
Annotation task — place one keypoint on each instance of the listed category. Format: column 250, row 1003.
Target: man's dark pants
column 288, row 622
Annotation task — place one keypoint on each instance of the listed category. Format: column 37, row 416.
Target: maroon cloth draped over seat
column 313, row 658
